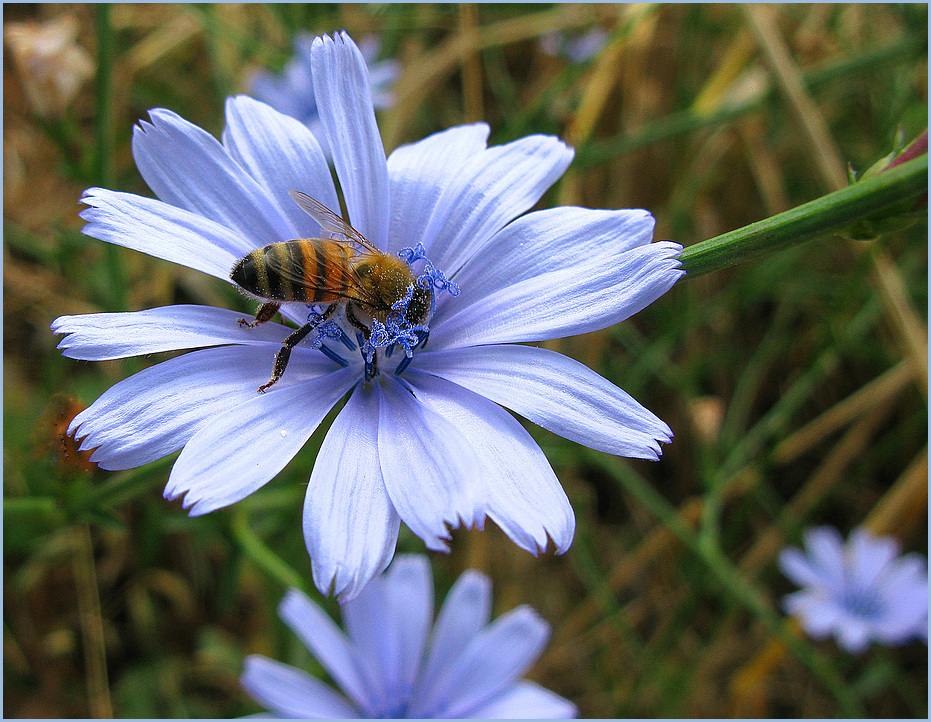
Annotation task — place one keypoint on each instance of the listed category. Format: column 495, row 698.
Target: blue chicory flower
column 425, row 441
column 292, row 93
column 392, row 665
column 861, row 591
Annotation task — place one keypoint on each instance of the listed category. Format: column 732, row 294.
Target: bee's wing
column 284, row 265
column 328, row 220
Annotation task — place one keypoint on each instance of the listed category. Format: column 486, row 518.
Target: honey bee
column 346, row 271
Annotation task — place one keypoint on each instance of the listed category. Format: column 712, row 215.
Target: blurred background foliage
column 796, row 385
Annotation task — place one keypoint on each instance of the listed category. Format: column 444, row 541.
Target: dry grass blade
column 418, row 81
column 826, row 476
column 878, row 392
column 825, row 151
column 905, row 505
column 162, row 41
column 88, row 597
column 471, row 64
column 905, row 320
column 658, row 542
column 908, row 327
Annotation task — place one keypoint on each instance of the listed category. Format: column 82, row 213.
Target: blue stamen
column 329, row 353
column 409, row 255
column 347, row 342
column 395, row 330
column 402, row 303
column 431, row 277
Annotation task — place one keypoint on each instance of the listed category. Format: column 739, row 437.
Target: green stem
column 260, row 553
column 20, row 508
column 870, row 198
column 120, row 487
column 103, row 158
column 103, row 170
column 215, row 34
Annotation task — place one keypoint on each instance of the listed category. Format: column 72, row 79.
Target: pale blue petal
column 490, row 190
column 282, row 155
column 381, row 73
column 388, row 623
column 869, row 556
column 853, row 634
column 164, row 231
column 101, row 336
column 350, row 526
column 290, row 692
column 555, row 392
column 291, row 93
column 428, row 466
column 526, row 700
column 419, row 173
column 797, row 567
column 466, row 610
column 328, row 645
column 187, row 167
column 490, row 663
column 245, row 446
column 574, row 300
column 156, row 411
column 545, row 241
column 344, row 100
column 279, row 92
column 825, row 549
column 523, row 495
column 904, row 594
column 817, row 614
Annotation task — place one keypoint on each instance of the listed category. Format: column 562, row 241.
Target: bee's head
column 419, row 306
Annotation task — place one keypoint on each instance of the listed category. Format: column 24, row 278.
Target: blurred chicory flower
column 575, row 47
column 392, row 666
column 425, row 440
column 861, row 591
column 292, row 93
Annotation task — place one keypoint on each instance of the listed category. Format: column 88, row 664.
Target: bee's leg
column 281, row 358
column 265, row 313
column 292, row 340
column 351, row 317
column 371, row 369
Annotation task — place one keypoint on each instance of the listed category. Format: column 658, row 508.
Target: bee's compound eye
column 419, row 306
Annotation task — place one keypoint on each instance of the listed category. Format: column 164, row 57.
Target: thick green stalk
column 872, row 198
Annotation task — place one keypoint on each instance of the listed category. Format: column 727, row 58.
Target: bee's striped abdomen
column 312, row 270
column 251, row 274
column 325, row 269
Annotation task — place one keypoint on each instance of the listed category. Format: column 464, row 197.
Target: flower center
column 864, row 603
column 398, row 329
